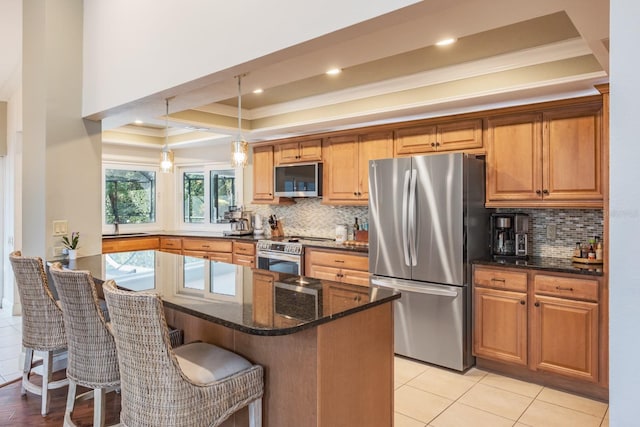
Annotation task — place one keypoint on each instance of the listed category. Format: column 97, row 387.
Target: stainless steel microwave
column 302, row 180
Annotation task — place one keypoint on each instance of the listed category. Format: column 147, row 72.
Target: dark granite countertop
column 559, row 265
column 224, row 293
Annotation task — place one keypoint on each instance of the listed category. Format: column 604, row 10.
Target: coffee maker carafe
column 509, row 235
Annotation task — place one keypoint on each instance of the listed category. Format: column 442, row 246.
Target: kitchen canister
column 341, row 233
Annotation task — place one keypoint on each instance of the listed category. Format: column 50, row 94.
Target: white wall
column 131, row 45
column 625, row 215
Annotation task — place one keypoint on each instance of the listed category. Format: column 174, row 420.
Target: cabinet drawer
column 244, row 248
column 246, row 260
column 334, row 259
column 207, row 245
column 130, row 244
column 500, row 278
column 584, row 289
column 171, row 243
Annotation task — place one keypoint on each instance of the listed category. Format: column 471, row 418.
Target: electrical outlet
column 551, row 232
column 60, row 228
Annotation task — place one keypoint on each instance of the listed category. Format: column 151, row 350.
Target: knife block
column 276, row 231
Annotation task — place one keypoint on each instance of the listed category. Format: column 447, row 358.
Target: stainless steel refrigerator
column 427, row 221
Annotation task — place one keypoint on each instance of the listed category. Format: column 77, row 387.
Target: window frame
column 133, row 228
column 206, row 169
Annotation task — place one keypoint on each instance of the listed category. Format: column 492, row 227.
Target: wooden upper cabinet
column 347, row 165
column 572, row 154
column 548, row 159
column 453, row 136
column 263, row 174
column 514, row 158
column 299, row 151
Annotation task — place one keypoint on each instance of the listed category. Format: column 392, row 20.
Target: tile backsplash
column 309, row 217
column 572, row 225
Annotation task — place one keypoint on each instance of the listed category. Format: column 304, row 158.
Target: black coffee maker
column 509, row 235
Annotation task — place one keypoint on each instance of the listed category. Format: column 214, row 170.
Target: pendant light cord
column 239, row 107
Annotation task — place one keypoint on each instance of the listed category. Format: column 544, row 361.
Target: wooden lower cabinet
column 337, row 265
column 126, row 244
column 500, row 325
column 542, row 326
column 565, row 337
column 337, row 298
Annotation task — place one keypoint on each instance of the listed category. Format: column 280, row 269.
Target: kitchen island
column 327, row 347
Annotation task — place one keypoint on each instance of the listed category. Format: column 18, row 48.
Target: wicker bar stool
column 42, row 325
column 194, row 385
column 93, row 360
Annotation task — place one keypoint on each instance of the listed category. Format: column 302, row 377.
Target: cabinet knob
column 545, row 192
column 537, row 304
column 433, row 144
column 522, row 302
column 437, row 144
column 355, row 193
column 538, row 192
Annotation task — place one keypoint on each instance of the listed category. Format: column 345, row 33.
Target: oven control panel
column 281, row 247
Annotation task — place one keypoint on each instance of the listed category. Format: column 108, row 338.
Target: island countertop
column 250, row 300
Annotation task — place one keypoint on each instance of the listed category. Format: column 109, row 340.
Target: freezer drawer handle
column 422, row 289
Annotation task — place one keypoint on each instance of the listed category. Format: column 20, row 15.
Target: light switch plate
column 60, row 228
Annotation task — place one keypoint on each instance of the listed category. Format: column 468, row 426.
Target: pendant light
column 239, row 147
column 166, row 155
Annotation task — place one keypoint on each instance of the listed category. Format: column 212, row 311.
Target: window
column 130, row 196
column 207, row 200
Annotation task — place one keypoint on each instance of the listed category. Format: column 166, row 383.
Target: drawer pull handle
column 494, row 279
column 205, row 246
column 560, row 288
column 339, row 261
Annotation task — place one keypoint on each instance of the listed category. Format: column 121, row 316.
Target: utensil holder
column 277, row 230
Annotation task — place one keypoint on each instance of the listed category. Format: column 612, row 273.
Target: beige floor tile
column 499, row 402
column 9, row 367
column 571, row 401
column 419, row 405
column 510, row 384
column 405, row 370
column 400, row 420
column 442, row 383
column 11, row 341
column 475, row 374
column 459, row 415
column 543, row 414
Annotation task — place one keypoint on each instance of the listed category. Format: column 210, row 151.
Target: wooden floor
column 18, row 410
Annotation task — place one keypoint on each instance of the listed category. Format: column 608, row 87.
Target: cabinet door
column 500, row 325
column 342, row 169
column 310, row 151
column 565, row 337
column 414, row 140
column 288, row 152
column 324, row 273
column 355, row 277
column 263, row 174
column 462, row 135
column 340, row 298
column 371, row 146
column 263, row 299
column 572, row 153
column 514, row 161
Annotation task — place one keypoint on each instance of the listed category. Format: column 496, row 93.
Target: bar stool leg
column 255, row 413
column 26, row 370
column 99, row 406
column 47, row 365
column 71, row 402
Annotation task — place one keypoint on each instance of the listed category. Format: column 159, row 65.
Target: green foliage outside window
column 130, row 196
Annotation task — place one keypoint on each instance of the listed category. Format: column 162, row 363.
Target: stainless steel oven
column 284, row 257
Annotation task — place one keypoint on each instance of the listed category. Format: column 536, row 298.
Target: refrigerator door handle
column 405, row 219
column 420, row 289
column 412, row 218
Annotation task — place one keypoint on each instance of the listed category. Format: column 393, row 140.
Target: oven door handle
column 280, row 257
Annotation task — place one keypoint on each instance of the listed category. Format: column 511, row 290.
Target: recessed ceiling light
column 138, row 122
column 445, row 42
column 334, row 71
column 258, row 90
